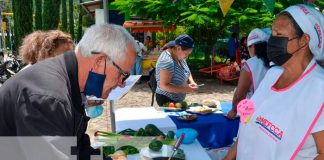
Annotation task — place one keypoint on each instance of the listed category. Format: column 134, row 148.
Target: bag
column 152, row 81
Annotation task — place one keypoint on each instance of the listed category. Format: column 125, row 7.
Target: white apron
column 257, row 73
column 283, row 119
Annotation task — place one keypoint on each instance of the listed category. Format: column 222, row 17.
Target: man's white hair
column 109, row 39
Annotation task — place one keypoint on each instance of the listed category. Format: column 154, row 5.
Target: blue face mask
column 94, row 83
column 94, row 111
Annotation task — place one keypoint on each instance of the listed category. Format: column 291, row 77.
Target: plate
column 187, row 117
column 195, row 105
column 166, row 158
column 172, row 109
column 201, row 110
column 212, row 103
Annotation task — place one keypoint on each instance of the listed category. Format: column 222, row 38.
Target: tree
column 38, row 14
column 23, row 18
column 79, row 32
column 71, row 20
column 203, row 19
column 64, row 16
column 51, row 14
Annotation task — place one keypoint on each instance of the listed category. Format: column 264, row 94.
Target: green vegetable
column 184, row 105
column 169, row 142
column 165, row 105
column 155, row 145
column 108, row 150
column 107, row 134
column 170, row 135
column 152, row 130
column 127, row 131
column 140, row 132
column 180, row 154
column 128, row 149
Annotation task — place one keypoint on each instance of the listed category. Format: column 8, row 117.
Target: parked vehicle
column 11, row 65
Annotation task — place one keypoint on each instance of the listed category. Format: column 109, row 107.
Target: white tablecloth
column 136, row 118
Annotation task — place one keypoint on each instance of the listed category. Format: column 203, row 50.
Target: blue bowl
column 189, row 137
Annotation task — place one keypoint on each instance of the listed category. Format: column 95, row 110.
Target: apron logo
column 319, row 35
column 303, row 9
column 269, row 128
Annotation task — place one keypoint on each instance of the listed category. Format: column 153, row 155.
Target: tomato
column 171, row 105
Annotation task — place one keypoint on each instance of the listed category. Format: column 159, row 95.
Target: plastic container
column 190, row 135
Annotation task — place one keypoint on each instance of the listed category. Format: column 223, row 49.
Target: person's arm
column 144, row 49
column 319, row 140
column 191, row 80
column 231, row 154
column 40, row 115
column 243, row 86
column 165, row 84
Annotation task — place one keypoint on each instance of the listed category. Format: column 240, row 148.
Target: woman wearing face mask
column 284, row 118
column 253, row 69
column 173, row 76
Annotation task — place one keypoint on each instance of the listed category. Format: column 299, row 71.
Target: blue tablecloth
column 215, row 130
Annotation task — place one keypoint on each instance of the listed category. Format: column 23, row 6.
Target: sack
column 152, row 81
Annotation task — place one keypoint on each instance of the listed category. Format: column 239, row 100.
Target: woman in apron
column 284, row 118
column 254, row 69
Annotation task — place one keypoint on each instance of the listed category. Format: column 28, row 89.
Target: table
column 136, row 118
column 215, row 130
column 192, row 151
column 149, row 62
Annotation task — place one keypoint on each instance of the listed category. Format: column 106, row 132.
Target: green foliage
column 23, row 18
column 51, row 14
column 38, row 14
column 64, row 16
column 71, row 20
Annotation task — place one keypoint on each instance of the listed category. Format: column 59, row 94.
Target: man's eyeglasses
column 121, row 71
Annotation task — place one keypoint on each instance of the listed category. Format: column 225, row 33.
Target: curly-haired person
column 41, row 45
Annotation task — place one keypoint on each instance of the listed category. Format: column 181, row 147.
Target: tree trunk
column 51, row 14
column 64, row 16
column 23, row 18
column 38, row 14
column 71, row 20
column 79, row 33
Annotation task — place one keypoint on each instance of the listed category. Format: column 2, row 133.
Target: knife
column 177, row 145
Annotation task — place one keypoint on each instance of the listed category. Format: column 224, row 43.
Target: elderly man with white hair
column 47, row 98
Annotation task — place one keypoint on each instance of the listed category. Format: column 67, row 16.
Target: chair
column 152, row 83
column 228, row 73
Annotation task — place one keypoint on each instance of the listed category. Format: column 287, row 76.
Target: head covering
column 183, row 40
column 258, row 35
column 311, row 21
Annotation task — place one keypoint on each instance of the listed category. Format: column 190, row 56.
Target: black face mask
column 277, row 50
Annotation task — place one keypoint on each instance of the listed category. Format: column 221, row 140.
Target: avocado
column 152, row 130
column 155, row 145
column 170, row 135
